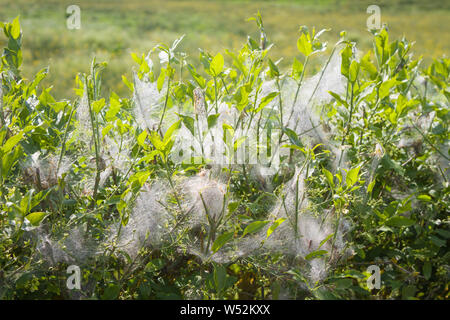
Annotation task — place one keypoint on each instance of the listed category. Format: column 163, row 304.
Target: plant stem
column 169, row 178
column 2, row 116
column 215, row 94
column 66, row 132
column 96, row 146
column 200, row 137
column 348, row 123
column 280, row 102
column 300, row 82
column 165, row 106
column 429, row 142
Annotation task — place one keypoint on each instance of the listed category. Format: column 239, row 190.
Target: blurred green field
column 112, row 29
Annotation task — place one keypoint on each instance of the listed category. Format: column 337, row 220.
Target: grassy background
column 112, row 29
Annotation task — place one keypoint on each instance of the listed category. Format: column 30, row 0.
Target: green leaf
column 293, row 137
column 388, row 163
column 58, row 106
column 239, row 142
column 253, row 44
column 254, row 227
column 266, row 100
column 316, row 254
column 9, row 160
column 46, row 98
column 238, row 62
column 216, row 65
column 382, row 47
column 325, row 240
column 169, row 133
column 212, row 120
column 443, row 233
column 339, row 177
column 128, row 83
column 156, row 141
column 352, row 177
column 326, row 294
column 177, row 42
column 36, row 199
column 399, row 221
column 161, row 78
column 367, row 65
column 228, row 130
column 98, row 105
column 3, row 133
column 297, row 69
column 232, row 206
column 241, row 98
column 346, row 55
column 221, row 241
column 111, row 292
column 198, row 78
column 329, row 176
column 136, row 58
column 427, row 269
column 274, row 72
column 371, row 185
column 386, row 86
column 338, row 99
column 220, row 277
column 424, row 197
column 274, row 226
column 114, row 107
column 12, row 142
column 353, row 71
column 141, row 139
column 188, row 122
column 343, row 283
column 107, row 129
column 438, row 241
column 15, row 28
column 408, row 291
column 304, row 45
column 36, row 217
